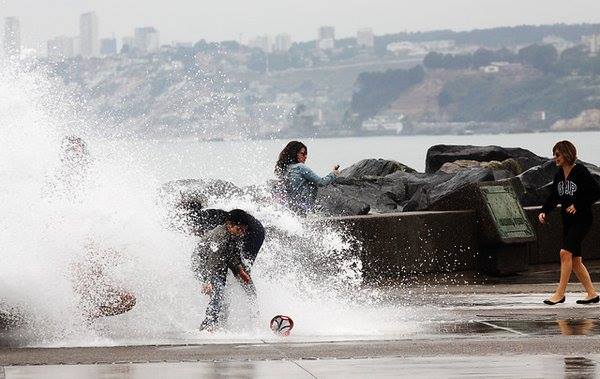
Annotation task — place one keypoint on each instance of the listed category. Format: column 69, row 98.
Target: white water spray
column 309, row 271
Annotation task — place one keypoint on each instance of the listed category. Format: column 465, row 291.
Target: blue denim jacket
column 301, row 186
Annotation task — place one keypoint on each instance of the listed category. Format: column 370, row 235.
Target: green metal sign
column 511, row 221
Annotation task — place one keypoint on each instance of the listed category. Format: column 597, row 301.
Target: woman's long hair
column 288, row 156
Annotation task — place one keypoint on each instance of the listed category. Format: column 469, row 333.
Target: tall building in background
column 88, row 34
column 365, row 38
column 61, row 47
column 12, row 37
column 127, row 44
column 595, row 44
column 146, row 39
column 261, row 42
column 108, row 46
column 283, row 42
column 326, row 32
column 592, row 43
column 326, row 40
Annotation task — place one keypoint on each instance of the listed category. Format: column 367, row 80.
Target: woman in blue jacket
column 297, row 182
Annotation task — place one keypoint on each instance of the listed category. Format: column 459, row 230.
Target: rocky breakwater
column 385, row 186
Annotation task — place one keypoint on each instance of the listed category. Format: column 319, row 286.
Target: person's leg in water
column 584, row 277
column 214, row 308
column 566, row 267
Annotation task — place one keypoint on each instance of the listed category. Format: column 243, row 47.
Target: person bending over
column 298, row 184
column 575, row 190
column 202, row 220
column 220, row 250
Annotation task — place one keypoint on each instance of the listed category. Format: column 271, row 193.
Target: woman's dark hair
column 567, row 150
column 288, row 156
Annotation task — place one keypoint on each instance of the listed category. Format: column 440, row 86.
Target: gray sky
column 192, row 20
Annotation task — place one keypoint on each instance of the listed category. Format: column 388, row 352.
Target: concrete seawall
column 394, row 245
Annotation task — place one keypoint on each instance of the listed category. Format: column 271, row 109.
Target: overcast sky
column 192, row 20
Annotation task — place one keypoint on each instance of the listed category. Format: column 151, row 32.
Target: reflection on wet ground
column 565, row 327
column 529, row 366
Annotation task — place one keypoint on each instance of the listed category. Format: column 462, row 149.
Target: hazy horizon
column 180, row 21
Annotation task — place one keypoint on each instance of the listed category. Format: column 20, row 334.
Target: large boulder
column 413, row 182
column 374, row 167
column 427, row 196
column 509, row 165
column 348, row 195
column 439, row 154
column 341, row 200
column 537, row 183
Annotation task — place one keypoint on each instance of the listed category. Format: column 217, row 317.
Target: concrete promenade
column 496, row 328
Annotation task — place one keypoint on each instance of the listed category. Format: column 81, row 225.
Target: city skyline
column 193, row 22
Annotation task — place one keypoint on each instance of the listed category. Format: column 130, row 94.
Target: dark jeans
column 216, row 309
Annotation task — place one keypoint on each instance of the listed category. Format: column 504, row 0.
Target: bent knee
column 577, row 261
column 566, row 255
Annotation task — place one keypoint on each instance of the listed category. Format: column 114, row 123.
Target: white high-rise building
column 592, row 42
column 61, row 47
column 365, row 38
column 595, row 44
column 12, row 37
column 146, row 39
column 88, row 34
column 283, row 42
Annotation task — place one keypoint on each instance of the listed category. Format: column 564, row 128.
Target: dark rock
column 348, row 195
column 415, row 181
column 502, row 174
column 439, row 154
column 427, row 196
column 509, row 165
column 537, row 182
column 374, row 167
column 341, row 200
column 459, row 180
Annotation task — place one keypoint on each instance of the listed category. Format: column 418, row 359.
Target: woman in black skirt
column 575, row 190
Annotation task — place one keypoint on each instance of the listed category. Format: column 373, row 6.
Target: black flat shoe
column 550, row 302
column 589, row 301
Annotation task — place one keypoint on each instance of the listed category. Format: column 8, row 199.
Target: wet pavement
column 501, row 330
column 529, row 366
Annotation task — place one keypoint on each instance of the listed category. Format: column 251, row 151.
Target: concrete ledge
column 414, row 242
column 397, row 244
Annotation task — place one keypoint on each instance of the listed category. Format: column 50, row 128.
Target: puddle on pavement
column 544, row 327
column 566, row 327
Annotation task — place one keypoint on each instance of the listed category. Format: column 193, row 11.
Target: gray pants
column 216, row 309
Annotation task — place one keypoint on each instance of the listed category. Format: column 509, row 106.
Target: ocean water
column 252, row 161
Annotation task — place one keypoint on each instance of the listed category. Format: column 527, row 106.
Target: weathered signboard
column 507, row 214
